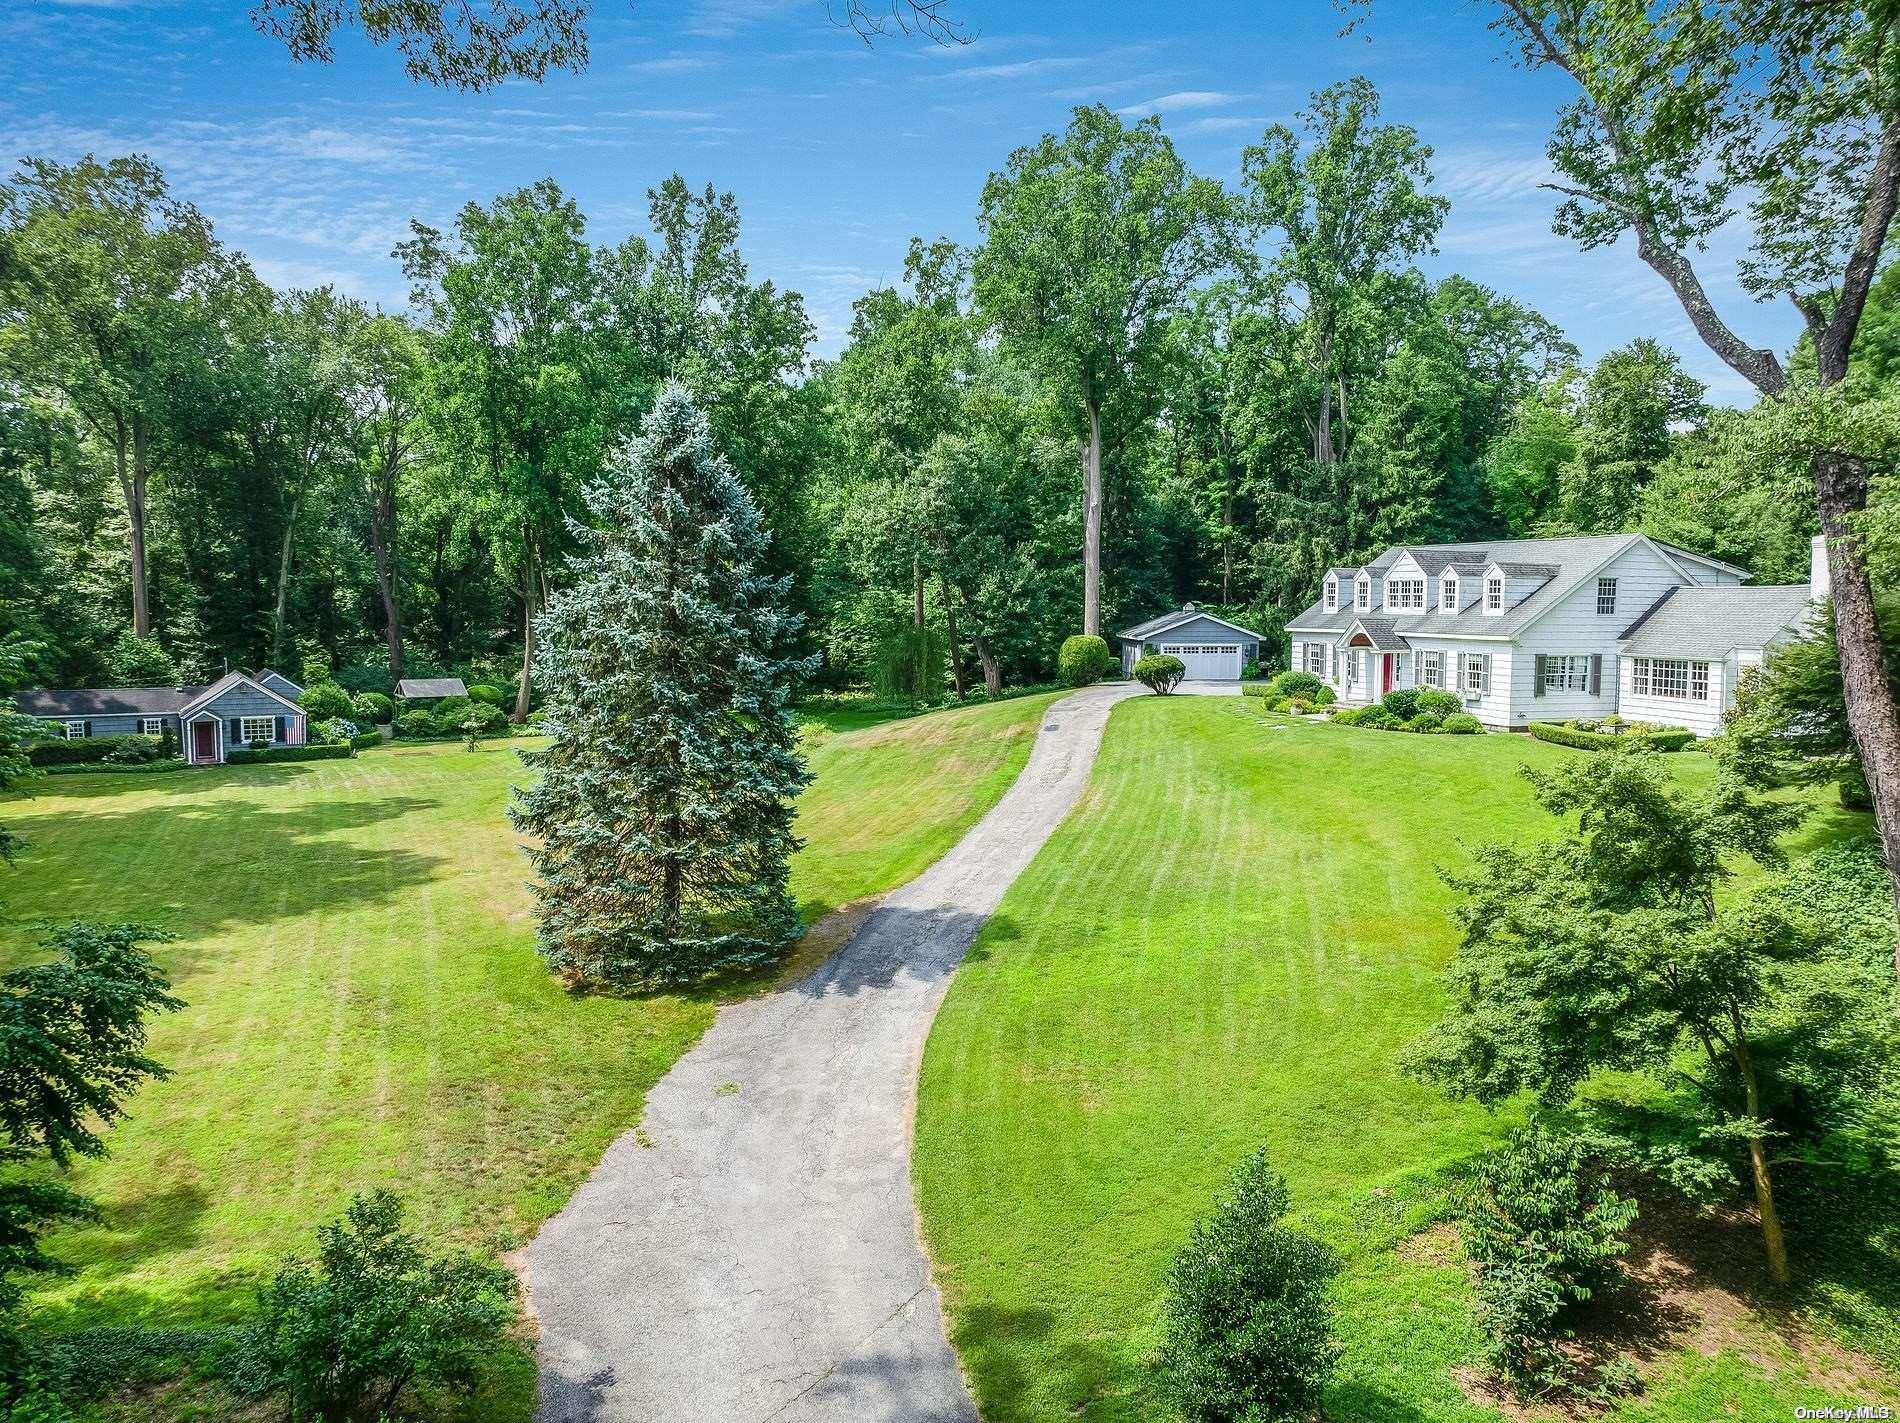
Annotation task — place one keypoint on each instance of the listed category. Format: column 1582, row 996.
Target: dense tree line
column 1139, row 388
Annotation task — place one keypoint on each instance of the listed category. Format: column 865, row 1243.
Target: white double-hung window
column 1362, row 594
column 1494, row 595
column 151, row 726
column 1606, row 596
column 1448, row 593
column 257, row 728
column 1332, row 595
column 1567, row 673
column 1431, row 669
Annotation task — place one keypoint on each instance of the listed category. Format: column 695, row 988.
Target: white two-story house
column 1548, row 629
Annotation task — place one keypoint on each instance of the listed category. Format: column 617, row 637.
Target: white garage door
column 1207, row 661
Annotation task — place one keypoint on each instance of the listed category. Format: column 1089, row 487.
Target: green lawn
column 365, row 1004
column 1226, row 946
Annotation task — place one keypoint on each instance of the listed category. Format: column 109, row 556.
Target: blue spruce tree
column 662, row 814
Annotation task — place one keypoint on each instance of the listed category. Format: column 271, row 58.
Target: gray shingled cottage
column 208, row 721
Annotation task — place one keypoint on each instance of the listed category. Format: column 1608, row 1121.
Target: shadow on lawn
column 198, row 867
column 1007, row 1353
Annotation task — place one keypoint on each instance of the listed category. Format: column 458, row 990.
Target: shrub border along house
column 1662, row 738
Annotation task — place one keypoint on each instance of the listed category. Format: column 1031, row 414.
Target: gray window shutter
column 1596, row 673
column 1484, row 674
column 279, row 728
column 1537, row 675
column 236, row 730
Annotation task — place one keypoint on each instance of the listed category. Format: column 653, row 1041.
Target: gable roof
column 1382, row 633
column 276, row 681
column 228, row 682
column 1180, row 615
column 428, row 688
column 103, row 701
column 1562, row 563
column 1709, row 621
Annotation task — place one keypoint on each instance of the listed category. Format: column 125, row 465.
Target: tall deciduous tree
column 388, row 369
column 1091, row 241
column 1349, row 207
column 103, row 278
column 515, row 400
column 662, row 814
column 1688, row 115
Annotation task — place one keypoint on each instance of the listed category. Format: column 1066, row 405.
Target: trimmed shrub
column 417, row 721
column 335, row 732
column 1424, row 722
column 1247, row 1323
column 1347, row 716
column 1297, row 684
column 1402, row 702
column 1250, row 671
column 1461, row 724
column 1544, row 1228
column 1257, row 689
column 1325, row 696
column 1160, row 673
column 1431, row 699
column 1377, row 718
column 372, row 708
column 486, row 692
column 343, row 1335
column 119, row 750
column 1667, row 738
column 170, row 763
column 324, row 701
column 365, row 739
column 254, row 753
column 453, row 720
column 1084, row 659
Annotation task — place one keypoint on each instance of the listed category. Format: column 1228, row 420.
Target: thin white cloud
column 1223, row 123
column 1016, row 69
column 674, row 64
column 684, row 116
column 1181, row 101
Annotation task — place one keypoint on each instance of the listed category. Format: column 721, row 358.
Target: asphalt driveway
column 750, row 1252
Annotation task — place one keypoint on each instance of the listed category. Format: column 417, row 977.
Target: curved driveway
column 751, row 1252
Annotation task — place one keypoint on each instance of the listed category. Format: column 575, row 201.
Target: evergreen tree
column 663, row 809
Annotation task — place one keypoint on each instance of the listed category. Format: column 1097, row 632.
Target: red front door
column 1386, row 672
column 204, row 741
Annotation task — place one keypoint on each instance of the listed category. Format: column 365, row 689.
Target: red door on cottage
column 1386, row 672
column 204, row 741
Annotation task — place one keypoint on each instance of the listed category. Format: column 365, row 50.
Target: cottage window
column 1332, row 595
column 1567, row 673
column 1313, row 657
column 75, row 731
column 151, row 726
column 1405, row 594
column 1670, row 677
column 1474, row 673
column 1448, row 594
column 1362, row 596
column 1494, row 595
column 257, row 728
column 1606, row 596
column 1431, row 669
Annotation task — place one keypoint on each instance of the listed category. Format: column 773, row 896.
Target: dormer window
column 1494, row 593
column 1332, row 595
column 1405, row 595
column 1362, row 594
column 1448, row 593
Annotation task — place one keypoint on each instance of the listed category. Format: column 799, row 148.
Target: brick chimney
column 1817, row 567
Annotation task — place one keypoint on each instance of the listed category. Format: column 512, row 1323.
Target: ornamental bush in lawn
column 1247, row 1325
column 343, row 1335
column 1296, row 684
column 1432, row 700
column 1402, row 702
column 1160, row 673
column 372, row 708
column 1544, row 1228
column 416, row 722
column 662, row 814
column 1084, row 659
column 1462, row 723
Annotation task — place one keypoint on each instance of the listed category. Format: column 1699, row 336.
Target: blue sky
column 837, row 151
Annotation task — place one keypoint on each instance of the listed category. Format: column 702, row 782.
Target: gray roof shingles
column 105, row 701
column 1710, row 621
column 1562, row 563
column 411, row 688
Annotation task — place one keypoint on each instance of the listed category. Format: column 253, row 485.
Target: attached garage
column 1212, row 649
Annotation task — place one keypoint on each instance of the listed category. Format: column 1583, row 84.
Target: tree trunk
column 1092, row 525
column 1840, row 485
column 283, row 587
column 992, row 670
column 530, row 583
column 382, row 538
column 950, row 632
column 132, row 477
column 917, row 592
column 1323, row 430
column 1226, row 524
column 1772, row 1241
